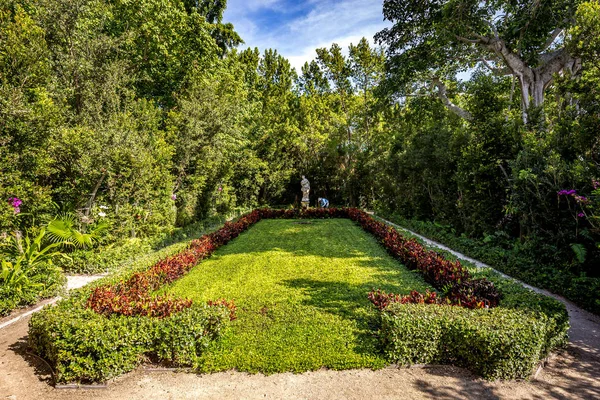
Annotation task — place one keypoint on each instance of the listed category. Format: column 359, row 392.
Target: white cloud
column 324, row 22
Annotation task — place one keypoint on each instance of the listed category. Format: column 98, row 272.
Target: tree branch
column 467, row 40
column 555, row 33
column 498, row 71
column 451, row 106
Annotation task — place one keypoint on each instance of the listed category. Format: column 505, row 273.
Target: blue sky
column 297, row 28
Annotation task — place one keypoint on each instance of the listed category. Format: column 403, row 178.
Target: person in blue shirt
column 323, row 202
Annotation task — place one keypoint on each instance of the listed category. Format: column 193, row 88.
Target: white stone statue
column 305, row 189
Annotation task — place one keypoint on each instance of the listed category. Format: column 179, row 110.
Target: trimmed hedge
column 494, row 343
column 109, row 328
column 84, row 346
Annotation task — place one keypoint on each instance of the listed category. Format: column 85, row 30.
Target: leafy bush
column 117, row 254
column 517, row 297
column 469, row 294
column 496, row 343
column 465, row 292
column 84, row 346
column 28, row 272
column 381, row 299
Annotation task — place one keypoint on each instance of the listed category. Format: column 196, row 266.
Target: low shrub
column 495, row 343
column 517, row 297
column 43, row 281
column 83, row 346
column 112, row 256
column 474, row 290
column 381, row 299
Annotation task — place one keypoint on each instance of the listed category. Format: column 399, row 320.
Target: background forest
column 128, row 119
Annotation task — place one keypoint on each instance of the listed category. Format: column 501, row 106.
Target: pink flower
column 173, row 197
column 581, row 215
column 15, row 202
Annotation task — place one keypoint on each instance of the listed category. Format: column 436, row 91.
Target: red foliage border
column 133, row 296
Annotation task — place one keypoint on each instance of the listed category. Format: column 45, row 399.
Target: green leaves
column 15, row 278
column 62, row 230
column 83, row 346
column 495, row 343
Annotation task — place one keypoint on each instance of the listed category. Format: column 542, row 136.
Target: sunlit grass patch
column 301, row 290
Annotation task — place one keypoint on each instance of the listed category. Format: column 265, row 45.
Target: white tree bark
column 533, row 80
column 451, row 106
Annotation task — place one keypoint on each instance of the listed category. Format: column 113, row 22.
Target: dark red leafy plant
column 134, row 296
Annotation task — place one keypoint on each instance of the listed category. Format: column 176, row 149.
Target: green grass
column 301, row 290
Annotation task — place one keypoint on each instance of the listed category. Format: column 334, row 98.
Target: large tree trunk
column 533, row 80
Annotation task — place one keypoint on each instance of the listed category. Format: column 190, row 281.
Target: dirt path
column 572, row 374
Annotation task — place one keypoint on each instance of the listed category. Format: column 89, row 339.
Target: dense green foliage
column 28, row 270
column 143, row 116
column 495, row 343
column 83, row 346
column 519, row 261
column 113, row 256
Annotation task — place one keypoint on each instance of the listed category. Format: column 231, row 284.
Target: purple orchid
column 15, row 202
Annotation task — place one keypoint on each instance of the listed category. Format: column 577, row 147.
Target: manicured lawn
column 301, row 289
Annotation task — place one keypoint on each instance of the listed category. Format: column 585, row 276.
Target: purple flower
column 566, row 192
column 596, row 184
column 173, row 197
column 15, row 202
column 581, row 215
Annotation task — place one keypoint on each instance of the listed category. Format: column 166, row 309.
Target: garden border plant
column 109, row 329
column 518, row 262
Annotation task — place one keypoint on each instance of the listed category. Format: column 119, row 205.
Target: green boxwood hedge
column 83, row 346
column 495, row 343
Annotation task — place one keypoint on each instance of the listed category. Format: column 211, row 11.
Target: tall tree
column 439, row 38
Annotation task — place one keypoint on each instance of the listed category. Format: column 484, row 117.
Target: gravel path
column 572, row 374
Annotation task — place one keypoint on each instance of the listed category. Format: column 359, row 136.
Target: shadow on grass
column 307, row 237
column 346, row 301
